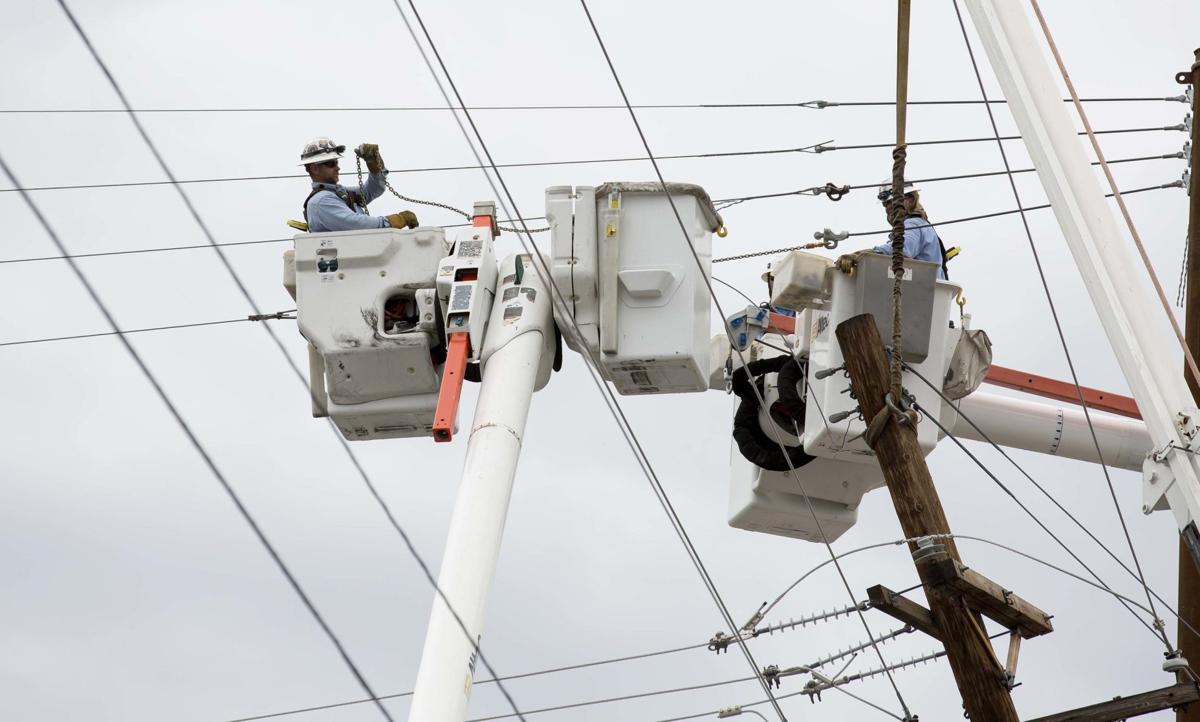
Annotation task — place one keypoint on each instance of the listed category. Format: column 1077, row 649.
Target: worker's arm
column 374, row 186
column 912, row 241
column 326, row 210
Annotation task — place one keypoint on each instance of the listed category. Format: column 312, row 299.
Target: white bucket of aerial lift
column 847, row 297
column 773, row 502
column 799, row 280
column 466, row 285
column 631, row 282
column 375, row 373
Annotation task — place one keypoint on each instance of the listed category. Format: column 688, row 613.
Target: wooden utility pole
column 1189, row 576
column 980, row 677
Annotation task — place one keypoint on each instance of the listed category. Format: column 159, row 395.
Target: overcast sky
column 133, row 589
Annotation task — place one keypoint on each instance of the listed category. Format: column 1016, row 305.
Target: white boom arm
column 1110, row 270
column 1049, row 429
column 519, row 338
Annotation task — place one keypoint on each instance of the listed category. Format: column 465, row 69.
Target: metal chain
column 435, row 204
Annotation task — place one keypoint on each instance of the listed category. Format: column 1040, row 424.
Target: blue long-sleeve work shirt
column 327, row 211
column 920, row 243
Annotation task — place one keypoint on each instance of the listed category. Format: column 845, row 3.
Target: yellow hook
column 722, row 232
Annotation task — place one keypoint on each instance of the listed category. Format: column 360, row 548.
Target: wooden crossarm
column 1132, row 706
column 992, row 600
column 902, row 608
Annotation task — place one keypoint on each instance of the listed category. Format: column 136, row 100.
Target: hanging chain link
column 435, row 204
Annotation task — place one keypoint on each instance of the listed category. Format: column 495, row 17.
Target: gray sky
column 135, row 592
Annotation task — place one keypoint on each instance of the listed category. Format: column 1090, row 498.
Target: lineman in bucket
column 921, row 242
column 333, row 207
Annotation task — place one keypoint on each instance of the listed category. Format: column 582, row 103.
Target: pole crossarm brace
column 1177, row 695
column 1106, row 261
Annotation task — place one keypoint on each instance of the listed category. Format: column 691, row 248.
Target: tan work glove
column 403, row 219
column 369, row 152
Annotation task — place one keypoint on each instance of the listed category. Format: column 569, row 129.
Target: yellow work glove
column 403, row 219
column 369, row 152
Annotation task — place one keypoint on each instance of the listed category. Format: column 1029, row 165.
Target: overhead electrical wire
column 968, row 537
column 1058, row 325
column 703, row 270
column 123, row 331
column 767, row 630
column 723, row 202
column 510, row 209
column 1029, row 512
column 1188, row 357
column 810, row 104
column 981, row 216
column 278, row 240
column 607, row 700
column 819, row 190
column 824, row 148
column 371, row 488
column 815, row 148
column 1050, row 497
column 194, row 440
column 66, row 256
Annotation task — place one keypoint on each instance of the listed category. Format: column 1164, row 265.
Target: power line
column 429, row 169
column 724, row 202
column 371, row 488
column 981, row 216
column 1058, row 326
column 810, row 104
column 704, row 275
column 162, row 394
column 204, row 246
column 122, row 332
column 1037, row 486
column 1065, row 547
column 194, row 440
column 767, row 630
column 622, row 698
column 823, row 148
column 557, row 298
column 819, row 190
column 815, row 148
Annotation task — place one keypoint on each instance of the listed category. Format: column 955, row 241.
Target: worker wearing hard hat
column 921, row 242
column 333, row 207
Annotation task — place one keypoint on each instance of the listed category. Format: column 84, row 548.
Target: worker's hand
column 369, row 152
column 403, row 219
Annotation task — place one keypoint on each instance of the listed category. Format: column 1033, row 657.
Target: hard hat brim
column 322, row 157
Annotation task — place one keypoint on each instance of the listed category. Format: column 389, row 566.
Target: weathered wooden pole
column 1189, row 576
column 979, row 675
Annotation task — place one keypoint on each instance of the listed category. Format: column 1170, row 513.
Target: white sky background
column 134, row 591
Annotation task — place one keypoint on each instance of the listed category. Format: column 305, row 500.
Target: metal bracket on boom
column 1157, row 476
column 467, row 285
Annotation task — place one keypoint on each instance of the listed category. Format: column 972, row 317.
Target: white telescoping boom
column 1118, row 289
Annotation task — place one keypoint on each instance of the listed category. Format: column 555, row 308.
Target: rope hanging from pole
column 896, row 210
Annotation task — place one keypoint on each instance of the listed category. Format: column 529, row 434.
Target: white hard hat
column 885, row 190
column 320, row 150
